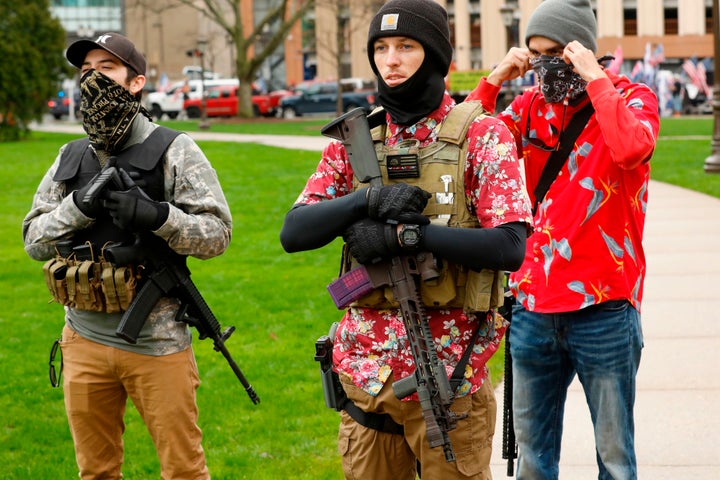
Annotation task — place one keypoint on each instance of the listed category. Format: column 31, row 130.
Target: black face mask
column 416, row 97
column 108, row 110
column 557, row 79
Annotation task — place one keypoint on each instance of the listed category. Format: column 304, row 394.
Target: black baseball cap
column 114, row 43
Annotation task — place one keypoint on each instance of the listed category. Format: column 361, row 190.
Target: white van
column 170, row 102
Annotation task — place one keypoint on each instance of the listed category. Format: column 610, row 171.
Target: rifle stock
column 353, row 131
column 403, row 274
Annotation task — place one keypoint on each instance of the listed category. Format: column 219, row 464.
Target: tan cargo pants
column 370, row 454
column 97, row 381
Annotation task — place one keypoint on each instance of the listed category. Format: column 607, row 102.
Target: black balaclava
column 426, row 22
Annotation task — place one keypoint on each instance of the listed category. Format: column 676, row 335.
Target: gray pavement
column 678, row 396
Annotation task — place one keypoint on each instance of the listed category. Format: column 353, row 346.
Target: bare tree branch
column 267, row 34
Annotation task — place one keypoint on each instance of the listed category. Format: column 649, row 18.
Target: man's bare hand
column 583, row 60
column 515, row 64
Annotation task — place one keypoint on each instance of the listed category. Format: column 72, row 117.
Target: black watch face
column 410, row 237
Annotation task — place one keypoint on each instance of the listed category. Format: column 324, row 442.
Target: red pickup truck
column 222, row 101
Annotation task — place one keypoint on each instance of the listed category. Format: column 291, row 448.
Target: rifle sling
column 557, row 159
column 459, row 373
column 381, row 422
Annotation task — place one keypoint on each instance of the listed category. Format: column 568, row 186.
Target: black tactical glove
column 91, row 209
column 370, row 241
column 133, row 210
column 399, row 201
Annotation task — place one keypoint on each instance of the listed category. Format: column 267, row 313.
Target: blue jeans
column 602, row 345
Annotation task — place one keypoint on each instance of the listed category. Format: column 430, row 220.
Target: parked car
column 170, row 102
column 60, row 106
column 358, row 84
column 222, row 101
column 321, row 98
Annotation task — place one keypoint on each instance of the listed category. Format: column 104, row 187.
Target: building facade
column 480, row 33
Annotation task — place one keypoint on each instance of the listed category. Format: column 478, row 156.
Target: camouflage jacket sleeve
column 199, row 223
column 52, row 217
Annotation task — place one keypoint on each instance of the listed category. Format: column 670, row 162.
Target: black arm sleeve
column 307, row 227
column 499, row 248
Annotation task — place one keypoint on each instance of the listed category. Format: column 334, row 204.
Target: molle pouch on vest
column 484, row 290
column 84, row 284
column 118, row 287
column 55, row 271
column 440, row 291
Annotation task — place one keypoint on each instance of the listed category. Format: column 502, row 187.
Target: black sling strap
column 458, row 374
column 558, row 157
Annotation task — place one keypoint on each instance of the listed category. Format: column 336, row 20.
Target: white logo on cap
column 389, row 21
column 102, row 38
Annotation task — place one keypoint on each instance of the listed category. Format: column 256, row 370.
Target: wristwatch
column 410, row 236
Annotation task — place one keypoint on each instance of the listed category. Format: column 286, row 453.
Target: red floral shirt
column 371, row 344
column 587, row 242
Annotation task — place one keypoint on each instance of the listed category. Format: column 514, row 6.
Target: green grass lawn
column 277, row 302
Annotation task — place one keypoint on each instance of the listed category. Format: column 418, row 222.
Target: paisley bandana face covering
column 108, row 110
column 557, row 79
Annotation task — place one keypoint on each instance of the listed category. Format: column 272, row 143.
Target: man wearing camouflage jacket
column 182, row 204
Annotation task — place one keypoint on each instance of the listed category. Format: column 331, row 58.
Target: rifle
column 169, row 277
column 402, row 273
column 509, row 444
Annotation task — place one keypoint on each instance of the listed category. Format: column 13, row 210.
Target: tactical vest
column 79, row 276
column 442, row 171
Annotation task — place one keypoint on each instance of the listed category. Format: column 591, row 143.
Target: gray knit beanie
column 564, row 21
column 422, row 20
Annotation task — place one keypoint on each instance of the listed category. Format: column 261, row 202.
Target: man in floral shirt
column 410, row 52
column 580, row 287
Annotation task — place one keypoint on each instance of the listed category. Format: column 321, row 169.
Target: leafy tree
column 280, row 18
column 31, row 46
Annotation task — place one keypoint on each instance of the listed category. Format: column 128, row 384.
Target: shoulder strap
column 458, row 120
column 70, row 159
column 558, row 157
column 151, row 149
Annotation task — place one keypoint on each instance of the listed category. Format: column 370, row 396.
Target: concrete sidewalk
column 678, row 397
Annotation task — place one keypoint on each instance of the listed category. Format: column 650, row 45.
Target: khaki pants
column 97, row 381
column 370, row 454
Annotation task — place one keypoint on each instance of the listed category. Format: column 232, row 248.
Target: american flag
column 616, row 63
column 696, row 72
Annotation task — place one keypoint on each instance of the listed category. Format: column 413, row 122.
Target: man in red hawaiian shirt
column 410, row 52
column 580, row 287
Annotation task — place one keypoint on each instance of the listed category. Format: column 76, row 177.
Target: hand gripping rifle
column 169, row 277
column 402, row 273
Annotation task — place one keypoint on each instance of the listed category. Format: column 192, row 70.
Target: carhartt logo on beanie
column 564, row 21
column 422, row 20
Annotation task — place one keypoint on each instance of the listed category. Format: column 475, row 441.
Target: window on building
column 709, row 20
column 671, row 21
column 86, row 18
column 630, row 21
